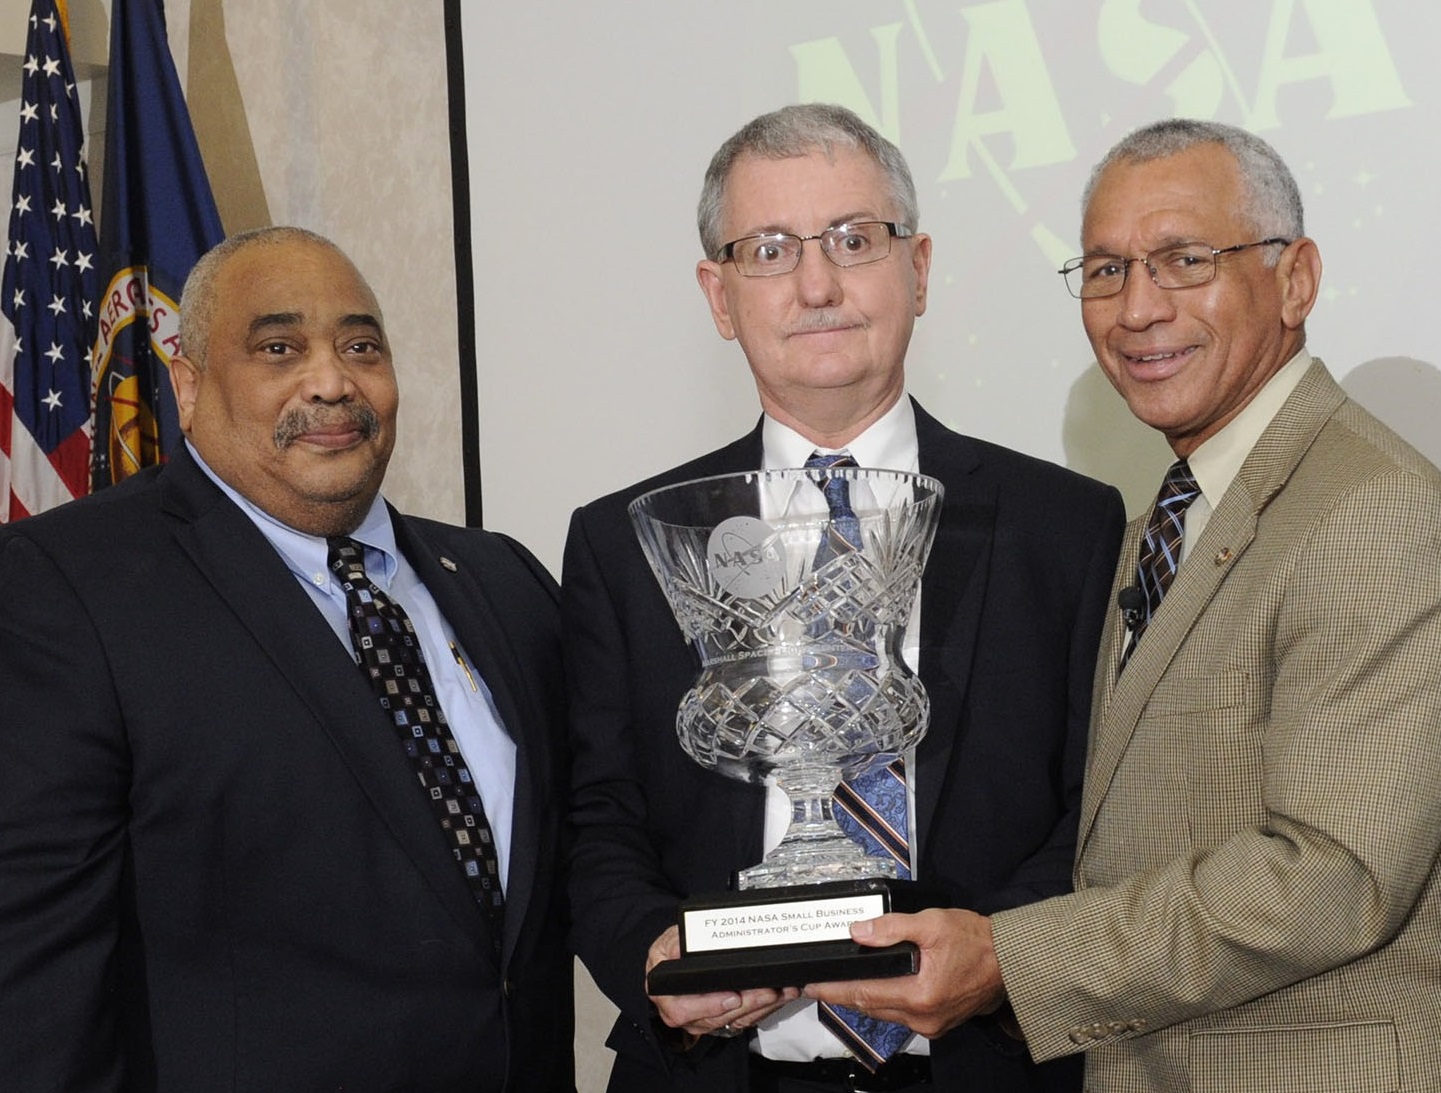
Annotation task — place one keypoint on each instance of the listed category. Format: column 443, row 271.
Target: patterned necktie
column 1161, row 545
column 843, row 530
column 871, row 808
column 388, row 650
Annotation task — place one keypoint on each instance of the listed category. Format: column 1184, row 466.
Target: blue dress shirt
column 488, row 750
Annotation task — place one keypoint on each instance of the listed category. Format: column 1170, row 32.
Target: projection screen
column 589, row 127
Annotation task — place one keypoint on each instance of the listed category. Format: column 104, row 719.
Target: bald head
column 198, row 298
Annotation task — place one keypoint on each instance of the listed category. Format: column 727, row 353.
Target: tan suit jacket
column 1257, row 902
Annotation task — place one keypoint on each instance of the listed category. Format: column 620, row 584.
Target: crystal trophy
column 797, row 615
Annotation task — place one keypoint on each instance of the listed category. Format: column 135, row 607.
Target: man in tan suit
column 1257, row 904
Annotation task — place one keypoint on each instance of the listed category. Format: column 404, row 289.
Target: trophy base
column 788, row 937
column 800, row 863
column 784, row 966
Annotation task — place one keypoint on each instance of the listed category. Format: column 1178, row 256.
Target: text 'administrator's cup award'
column 797, row 613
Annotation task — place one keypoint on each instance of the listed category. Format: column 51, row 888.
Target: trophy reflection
column 795, row 587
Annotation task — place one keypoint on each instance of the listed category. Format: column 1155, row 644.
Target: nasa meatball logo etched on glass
column 746, row 558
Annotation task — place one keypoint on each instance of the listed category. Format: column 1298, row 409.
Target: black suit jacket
column 1012, row 602
column 216, row 872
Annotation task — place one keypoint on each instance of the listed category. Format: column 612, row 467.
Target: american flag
column 50, row 279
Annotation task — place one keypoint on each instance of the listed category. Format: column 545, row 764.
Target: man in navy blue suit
column 814, row 264
column 218, row 867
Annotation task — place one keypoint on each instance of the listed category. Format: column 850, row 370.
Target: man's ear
column 185, row 382
column 711, row 277
column 921, row 263
column 1299, row 271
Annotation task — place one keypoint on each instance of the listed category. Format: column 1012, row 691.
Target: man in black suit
column 1011, row 604
column 219, row 867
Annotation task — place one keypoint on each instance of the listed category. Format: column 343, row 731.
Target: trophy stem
column 814, row 849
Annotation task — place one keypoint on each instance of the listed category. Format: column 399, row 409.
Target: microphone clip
column 1132, row 602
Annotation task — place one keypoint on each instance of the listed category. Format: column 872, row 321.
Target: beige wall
column 330, row 114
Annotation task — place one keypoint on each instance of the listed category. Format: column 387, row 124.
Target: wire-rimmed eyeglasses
column 769, row 254
column 1180, row 265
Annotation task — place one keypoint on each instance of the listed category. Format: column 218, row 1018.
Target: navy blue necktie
column 871, row 808
column 843, row 530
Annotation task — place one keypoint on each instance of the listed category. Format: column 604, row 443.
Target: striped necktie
column 871, row 808
column 1161, row 544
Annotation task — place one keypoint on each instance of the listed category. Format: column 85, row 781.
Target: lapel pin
column 447, row 563
column 1223, row 555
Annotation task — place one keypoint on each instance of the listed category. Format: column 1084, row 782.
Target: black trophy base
column 759, row 937
column 782, row 966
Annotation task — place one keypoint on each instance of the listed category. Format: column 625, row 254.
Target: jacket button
column 507, row 986
column 1078, row 1036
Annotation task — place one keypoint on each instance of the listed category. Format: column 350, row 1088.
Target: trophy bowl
column 797, row 611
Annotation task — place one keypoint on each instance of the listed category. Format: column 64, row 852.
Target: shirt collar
column 888, row 442
column 1218, row 460
column 307, row 556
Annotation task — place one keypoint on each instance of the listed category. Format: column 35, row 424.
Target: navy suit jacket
column 216, row 871
column 1011, row 606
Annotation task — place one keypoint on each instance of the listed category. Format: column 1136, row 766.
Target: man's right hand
column 720, row 1013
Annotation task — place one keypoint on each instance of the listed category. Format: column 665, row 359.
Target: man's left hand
column 959, row 974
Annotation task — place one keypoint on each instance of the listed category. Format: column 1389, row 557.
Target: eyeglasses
column 770, row 254
column 1181, row 265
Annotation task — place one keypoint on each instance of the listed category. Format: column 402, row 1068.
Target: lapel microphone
column 1132, row 602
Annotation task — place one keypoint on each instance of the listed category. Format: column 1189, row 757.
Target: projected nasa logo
column 746, row 558
column 1039, row 86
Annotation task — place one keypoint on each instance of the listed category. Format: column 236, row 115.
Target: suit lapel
column 745, row 454
column 255, row 584
column 470, row 611
column 1121, row 700
column 953, row 590
column 1126, row 695
column 1114, row 633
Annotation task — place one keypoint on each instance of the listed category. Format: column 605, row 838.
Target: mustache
column 813, row 321
column 296, row 423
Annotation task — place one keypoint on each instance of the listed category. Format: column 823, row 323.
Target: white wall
column 590, row 127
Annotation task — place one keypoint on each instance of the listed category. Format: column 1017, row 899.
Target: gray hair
column 197, row 299
column 1272, row 199
column 797, row 131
